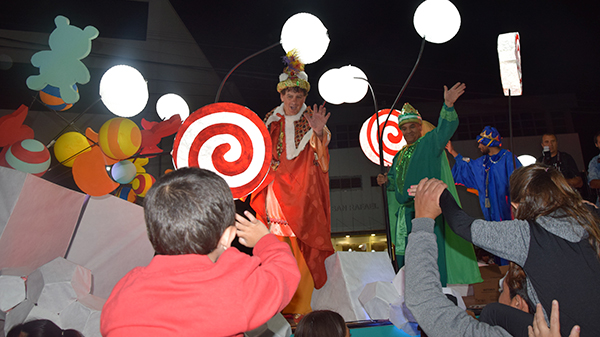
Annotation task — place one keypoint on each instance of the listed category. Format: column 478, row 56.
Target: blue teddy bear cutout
column 61, row 66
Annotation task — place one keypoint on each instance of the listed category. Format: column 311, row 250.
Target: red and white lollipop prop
column 392, row 137
column 228, row 139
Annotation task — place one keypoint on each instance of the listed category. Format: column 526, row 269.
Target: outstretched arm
column 507, row 239
column 435, row 313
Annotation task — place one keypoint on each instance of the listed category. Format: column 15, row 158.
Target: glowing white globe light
column 307, row 34
column 330, row 88
column 356, row 88
column 169, row 105
column 437, row 20
column 124, row 91
column 526, row 159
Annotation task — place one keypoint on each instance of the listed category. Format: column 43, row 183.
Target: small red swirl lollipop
column 392, row 137
column 228, row 139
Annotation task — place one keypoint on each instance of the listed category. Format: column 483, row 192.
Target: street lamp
column 303, row 32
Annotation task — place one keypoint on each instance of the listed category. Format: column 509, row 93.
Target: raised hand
column 318, row 119
column 452, row 94
column 450, row 149
column 382, row 179
column 427, row 198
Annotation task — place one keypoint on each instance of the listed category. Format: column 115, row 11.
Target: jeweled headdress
column 293, row 74
column 409, row 115
column 490, row 137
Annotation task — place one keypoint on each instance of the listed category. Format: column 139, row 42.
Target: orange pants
column 300, row 303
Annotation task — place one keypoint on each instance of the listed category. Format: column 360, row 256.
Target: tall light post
column 303, row 32
column 436, row 21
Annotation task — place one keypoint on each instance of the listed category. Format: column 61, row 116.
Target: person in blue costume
column 488, row 174
column 424, row 156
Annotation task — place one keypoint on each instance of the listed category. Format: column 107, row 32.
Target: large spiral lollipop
column 392, row 137
column 228, row 139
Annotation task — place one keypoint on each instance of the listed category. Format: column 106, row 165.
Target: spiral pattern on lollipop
column 392, row 137
column 228, row 139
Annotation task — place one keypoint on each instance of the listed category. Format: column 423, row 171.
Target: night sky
column 559, row 46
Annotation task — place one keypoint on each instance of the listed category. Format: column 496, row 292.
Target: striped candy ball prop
column 392, row 137
column 228, row 139
column 30, row 156
column 119, row 138
column 51, row 97
column 70, row 145
column 142, row 183
column 126, row 193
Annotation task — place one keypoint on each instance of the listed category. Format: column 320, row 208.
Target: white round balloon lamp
column 169, row 105
column 330, row 88
column 124, row 91
column 355, row 83
column 526, row 159
column 307, row 34
column 437, row 21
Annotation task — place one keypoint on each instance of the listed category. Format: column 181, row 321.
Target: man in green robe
column 424, row 157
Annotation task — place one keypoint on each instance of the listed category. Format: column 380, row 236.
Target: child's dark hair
column 187, row 211
column 516, row 279
column 321, row 323
column 42, row 328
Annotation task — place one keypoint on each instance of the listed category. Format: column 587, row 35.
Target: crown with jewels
column 293, row 74
column 409, row 115
column 490, row 137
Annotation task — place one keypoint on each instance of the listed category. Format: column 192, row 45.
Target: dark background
column 559, row 50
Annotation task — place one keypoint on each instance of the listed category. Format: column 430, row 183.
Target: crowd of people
column 532, row 218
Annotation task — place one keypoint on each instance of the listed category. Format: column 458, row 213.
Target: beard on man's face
column 484, row 149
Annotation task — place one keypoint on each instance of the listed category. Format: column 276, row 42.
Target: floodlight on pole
column 169, row 105
column 509, row 56
column 307, row 34
column 526, row 159
column 347, row 84
column 124, row 91
column 437, row 21
column 303, row 32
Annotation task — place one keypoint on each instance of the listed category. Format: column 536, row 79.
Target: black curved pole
column 218, row 96
column 383, row 187
column 512, row 147
column 381, row 161
column 412, row 72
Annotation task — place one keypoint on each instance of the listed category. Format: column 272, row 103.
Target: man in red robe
column 295, row 203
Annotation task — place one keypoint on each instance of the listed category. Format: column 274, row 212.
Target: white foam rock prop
column 83, row 315
column 347, row 275
column 402, row 318
column 398, row 282
column 64, row 282
column 12, row 287
column 17, row 315
column 277, row 326
column 377, row 297
column 509, row 55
